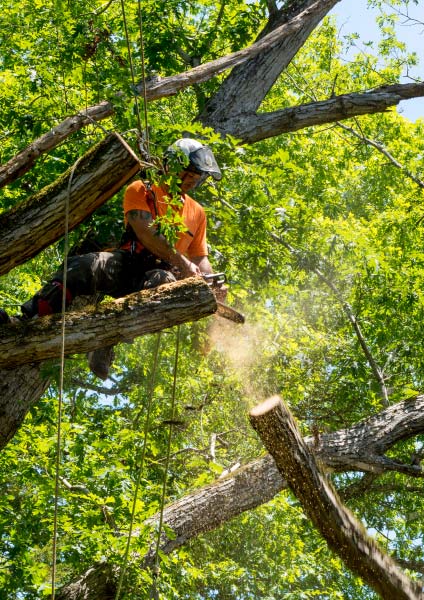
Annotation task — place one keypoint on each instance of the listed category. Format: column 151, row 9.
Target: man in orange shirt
column 145, row 259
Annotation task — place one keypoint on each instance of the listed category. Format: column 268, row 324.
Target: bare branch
column 251, row 127
column 385, row 153
column 22, row 162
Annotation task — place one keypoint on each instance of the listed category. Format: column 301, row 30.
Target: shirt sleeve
column 135, row 197
column 198, row 245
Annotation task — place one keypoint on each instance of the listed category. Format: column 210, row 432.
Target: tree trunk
column 258, row 482
column 19, row 390
column 39, row 221
column 247, row 85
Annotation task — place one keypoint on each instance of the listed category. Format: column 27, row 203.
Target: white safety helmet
column 201, row 158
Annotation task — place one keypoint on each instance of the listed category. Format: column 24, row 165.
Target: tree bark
column 138, row 314
column 36, row 223
column 22, row 162
column 258, row 482
column 271, row 53
column 39, row 339
column 251, row 127
column 19, row 390
column 247, row 85
column 344, row 534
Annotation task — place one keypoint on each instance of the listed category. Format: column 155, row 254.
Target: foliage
column 337, row 206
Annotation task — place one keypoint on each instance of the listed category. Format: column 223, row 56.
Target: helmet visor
column 203, row 161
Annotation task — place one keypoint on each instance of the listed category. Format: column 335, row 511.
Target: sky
column 354, row 16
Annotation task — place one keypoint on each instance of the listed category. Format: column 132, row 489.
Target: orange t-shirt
column 191, row 242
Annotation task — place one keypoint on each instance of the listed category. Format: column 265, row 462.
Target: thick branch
column 251, row 127
column 39, row 339
column 39, row 221
column 343, row 532
column 258, row 482
column 123, row 319
column 247, row 85
column 22, row 162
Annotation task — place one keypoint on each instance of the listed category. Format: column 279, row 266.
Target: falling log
column 345, row 535
column 124, row 319
column 37, row 222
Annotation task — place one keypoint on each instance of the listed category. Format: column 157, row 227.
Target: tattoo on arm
column 135, row 215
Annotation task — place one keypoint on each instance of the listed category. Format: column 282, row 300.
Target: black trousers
column 115, row 273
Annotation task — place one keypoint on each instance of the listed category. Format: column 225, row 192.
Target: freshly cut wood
column 37, row 222
column 140, row 313
column 345, row 535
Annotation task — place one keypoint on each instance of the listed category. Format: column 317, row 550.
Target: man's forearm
column 157, row 244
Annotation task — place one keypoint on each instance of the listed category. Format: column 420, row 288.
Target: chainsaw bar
column 229, row 313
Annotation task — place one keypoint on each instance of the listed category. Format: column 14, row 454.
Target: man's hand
column 188, row 268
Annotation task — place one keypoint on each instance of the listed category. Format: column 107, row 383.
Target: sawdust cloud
column 243, row 347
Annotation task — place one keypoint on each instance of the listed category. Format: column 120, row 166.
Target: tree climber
column 145, row 258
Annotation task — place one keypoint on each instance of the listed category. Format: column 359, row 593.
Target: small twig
column 383, row 151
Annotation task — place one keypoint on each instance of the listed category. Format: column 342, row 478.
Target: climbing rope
column 156, row 569
column 61, row 380
column 124, row 18
column 143, row 75
column 141, row 465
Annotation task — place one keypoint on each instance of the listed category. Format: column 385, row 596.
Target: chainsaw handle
column 214, row 278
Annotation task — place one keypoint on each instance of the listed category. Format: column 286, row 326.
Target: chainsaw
column 215, row 280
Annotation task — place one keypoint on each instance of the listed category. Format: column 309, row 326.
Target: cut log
column 37, row 222
column 144, row 312
column 343, row 532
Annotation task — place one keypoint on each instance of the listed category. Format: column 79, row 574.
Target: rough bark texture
column 22, row 162
column 258, row 482
column 251, row 128
column 126, row 318
column 343, row 532
column 19, row 390
column 98, row 583
column 247, row 85
column 39, row 221
column 144, row 312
